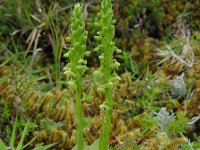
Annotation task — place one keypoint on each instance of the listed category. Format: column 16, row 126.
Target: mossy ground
column 160, row 43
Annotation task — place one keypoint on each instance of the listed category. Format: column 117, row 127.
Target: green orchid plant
column 107, row 68
column 77, row 66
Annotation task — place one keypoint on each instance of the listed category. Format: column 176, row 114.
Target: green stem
column 80, row 140
column 104, row 138
column 106, row 121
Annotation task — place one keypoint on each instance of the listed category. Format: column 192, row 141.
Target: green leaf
column 12, row 140
column 86, row 147
column 20, row 145
column 95, row 145
column 44, row 147
column 31, row 141
column 57, row 125
column 87, row 121
column 196, row 144
column 2, row 145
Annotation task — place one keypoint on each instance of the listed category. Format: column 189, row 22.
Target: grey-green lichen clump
column 77, row 66
column 178, row 87
column 108, row 65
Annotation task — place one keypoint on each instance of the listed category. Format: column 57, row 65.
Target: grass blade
column 20, row 145
column 41, row 147
column 12, row 140
column 31, row 141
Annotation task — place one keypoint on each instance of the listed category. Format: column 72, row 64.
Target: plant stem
column 107, row 120
column 80, row 140
column 107, row 68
